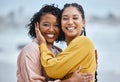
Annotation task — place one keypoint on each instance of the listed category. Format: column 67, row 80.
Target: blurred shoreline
column 13, row 20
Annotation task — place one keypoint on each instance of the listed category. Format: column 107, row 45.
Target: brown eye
column 46, row 25
column 75, row 18
column 64, row 18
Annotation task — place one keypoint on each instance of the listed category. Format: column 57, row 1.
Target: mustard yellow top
column 80, row 52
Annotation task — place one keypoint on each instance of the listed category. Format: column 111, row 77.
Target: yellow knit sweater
column 80, row 52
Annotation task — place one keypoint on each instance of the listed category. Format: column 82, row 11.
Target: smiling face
column 72, row 22
column 49, row 27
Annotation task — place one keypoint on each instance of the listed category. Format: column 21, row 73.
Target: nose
column 70, row 21
column 51, row 28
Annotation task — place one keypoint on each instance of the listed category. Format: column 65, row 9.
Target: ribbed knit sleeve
column 80, row 52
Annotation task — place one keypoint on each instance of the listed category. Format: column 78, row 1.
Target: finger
column 43, row 79
column 87, row 74
column 37, row 25
column 88, row 77
column 37, row 29
column 57, row 81
column 37, row 32
column 78, row 70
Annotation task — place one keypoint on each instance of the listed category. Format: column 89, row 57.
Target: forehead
column 48, row 17
column 71, row 10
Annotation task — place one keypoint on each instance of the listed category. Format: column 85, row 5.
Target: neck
column 50, row 45
column 51, row 48
column 69, row 39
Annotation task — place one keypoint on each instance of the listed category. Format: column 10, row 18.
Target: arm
column 79, row 52
column 29, row 69
column 82, row 77
column 76, row 77
column 69, row 60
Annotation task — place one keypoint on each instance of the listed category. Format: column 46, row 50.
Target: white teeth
column 70, row 28
column 50, row 35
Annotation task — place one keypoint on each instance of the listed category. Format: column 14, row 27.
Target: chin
column 50, row 41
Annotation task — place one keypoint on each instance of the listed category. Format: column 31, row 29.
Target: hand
column 55, row 81
column 81, row 77
column 39, row 36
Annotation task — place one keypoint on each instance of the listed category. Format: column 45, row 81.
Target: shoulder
column 30, row 51
column 82, row 41
column 31, row 46
column 81, row 38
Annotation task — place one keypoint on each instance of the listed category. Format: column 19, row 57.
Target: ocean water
column 104, row 36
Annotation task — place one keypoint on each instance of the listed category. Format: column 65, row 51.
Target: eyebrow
column 45, row 22
column 65, row 15
column 73, row 15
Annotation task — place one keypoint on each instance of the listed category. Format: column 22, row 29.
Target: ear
column 84, row 22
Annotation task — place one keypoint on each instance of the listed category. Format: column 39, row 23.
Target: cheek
column 80, row 30
column 63, row 23
column 42, row 30
column 63, row 26
column 57, row 31
column 80, row 24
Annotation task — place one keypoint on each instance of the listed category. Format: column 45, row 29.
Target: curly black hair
column 46, row 9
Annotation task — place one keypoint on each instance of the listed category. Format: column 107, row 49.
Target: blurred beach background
column 102, row 26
